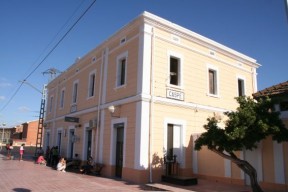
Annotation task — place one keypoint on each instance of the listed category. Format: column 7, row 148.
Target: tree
column 244, row 128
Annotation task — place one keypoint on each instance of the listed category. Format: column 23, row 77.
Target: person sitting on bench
column 85, row 169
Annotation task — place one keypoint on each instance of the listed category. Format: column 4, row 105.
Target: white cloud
column 23, row 109
column 4, row 84
column 2, row 98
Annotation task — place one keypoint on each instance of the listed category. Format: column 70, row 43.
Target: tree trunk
column 252, row 173
column 244, row 166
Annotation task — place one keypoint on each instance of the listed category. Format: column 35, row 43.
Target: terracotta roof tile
column 278, row 89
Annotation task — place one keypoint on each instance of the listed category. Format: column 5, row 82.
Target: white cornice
column 145, row 98
column 163, row 23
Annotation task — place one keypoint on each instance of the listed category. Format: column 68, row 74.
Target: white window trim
column 62, row 100
column 51, row 101
column 84, row 141
column 239, row 77
column 214, row 68
column 75, row 82
column 69, row 140
column 182, row 124
column 119, row 58
column 181, row 60
column 113, row 141
column 89, row 84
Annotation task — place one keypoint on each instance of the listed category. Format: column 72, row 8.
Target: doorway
column 89, row 144
column 119, row 149
column 71, row 143
column 174, row 140
column 47, row 140
column 173, row 146
column 59, row 141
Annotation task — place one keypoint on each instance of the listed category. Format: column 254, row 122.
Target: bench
column 97, row 168
column 73, row 163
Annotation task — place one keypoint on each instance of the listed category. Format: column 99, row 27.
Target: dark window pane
column 174, row 71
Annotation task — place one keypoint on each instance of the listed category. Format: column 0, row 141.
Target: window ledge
column 175, row 87
column 90, row 97
column 119, row 87
column 212, row 95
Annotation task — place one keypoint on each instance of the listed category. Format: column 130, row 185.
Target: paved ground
column 26, row 176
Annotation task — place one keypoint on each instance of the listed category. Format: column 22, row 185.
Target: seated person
column 61, row 166
column 41, row 160
column 74, row 162
column 40, row 151
column 87, row 168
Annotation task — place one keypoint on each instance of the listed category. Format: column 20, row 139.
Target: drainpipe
column 151, row 106
column 99, row 105
column 285, row 174
column 55, row 116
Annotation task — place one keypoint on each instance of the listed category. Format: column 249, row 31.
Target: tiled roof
column 278, row 89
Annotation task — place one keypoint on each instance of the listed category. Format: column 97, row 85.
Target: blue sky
column 29, row 29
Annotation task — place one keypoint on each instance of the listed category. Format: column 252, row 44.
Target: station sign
column 172, row 94
column 72, row 119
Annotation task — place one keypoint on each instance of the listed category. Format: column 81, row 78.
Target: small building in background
column 272, row 164
column 5, row 135
column 26, row 133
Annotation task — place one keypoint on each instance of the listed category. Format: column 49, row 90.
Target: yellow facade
column 157, row 76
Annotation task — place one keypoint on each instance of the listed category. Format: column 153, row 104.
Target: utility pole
column 53, row 73
column 41, row 115
column 41, row 121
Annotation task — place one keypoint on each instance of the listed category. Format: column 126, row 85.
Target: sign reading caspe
column 172, row 94
column 72, row 119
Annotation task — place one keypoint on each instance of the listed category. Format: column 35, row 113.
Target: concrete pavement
column 26, row 176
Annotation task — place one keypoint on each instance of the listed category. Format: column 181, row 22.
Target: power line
column 48, row 54
column 53, row 39
column 63, row 37
column 56, row 35
column 17, row 90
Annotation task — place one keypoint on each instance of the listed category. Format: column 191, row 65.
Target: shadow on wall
column 157, row 162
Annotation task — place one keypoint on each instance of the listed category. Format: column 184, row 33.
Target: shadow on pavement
column 21, row 190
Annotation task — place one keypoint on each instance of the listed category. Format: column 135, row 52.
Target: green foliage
column 252, row 122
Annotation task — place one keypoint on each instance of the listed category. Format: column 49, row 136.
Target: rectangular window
column 75, row 93
column 241, row 89
column 93, row 59
column 121, row 75
column 51, row 104
column 91, row 85
column 123, row 40
column 284, row 106
column 174, row 71
column 62, row 98
column 212, row 82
